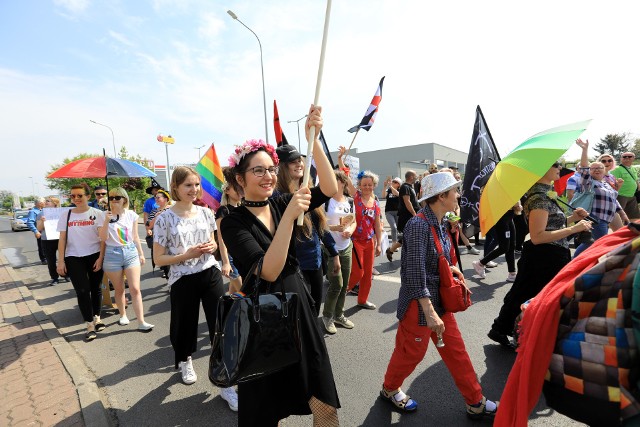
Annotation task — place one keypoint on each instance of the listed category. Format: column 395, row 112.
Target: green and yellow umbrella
column 521, row 168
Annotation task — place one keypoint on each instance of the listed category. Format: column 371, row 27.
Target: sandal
column 407, row 404
column 100, row 326
column 477, row 412
column 90, row 336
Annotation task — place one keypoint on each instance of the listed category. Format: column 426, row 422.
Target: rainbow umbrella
column 519, row 170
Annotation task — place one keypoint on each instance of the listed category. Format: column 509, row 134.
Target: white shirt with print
column 82, row 236
column 121, row 232
column 335, row 211
column 177, row 235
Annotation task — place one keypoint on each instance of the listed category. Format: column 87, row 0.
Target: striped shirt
column 419, row 273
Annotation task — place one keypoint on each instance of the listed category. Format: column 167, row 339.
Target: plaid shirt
column 605, row 202
column 419, row 263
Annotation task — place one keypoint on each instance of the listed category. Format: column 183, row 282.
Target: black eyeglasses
column 101, row 194
column 76, row 196
column 118, row 198
column 628, row 157
column 556, row 165
column 260, row 171
column 606, row 160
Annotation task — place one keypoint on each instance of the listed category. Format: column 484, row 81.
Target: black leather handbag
column 256, row 333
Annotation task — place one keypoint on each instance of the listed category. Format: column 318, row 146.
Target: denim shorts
column 117, row 258
column 233, row 274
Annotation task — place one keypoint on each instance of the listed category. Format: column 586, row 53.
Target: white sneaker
column 188, row 374
column 124, row 321
column 231, row 397
column 375, row 272
column 491, row 264
column 328, row 325
column 464, row 251
column 473, row 251
column 145, row 327
column 479, row 268
column 344, row 322
column 511, row 277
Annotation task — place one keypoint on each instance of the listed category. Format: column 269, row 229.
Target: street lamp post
column 113, row 138
column 198, row 148
column 297, row 122
column 33, row 186
column 264, row 98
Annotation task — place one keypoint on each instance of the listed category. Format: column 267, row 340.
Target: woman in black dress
column 263, row 227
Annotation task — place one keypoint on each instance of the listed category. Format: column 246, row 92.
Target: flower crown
column 249, row 147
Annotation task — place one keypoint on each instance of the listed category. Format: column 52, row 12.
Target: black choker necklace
column 250, row 204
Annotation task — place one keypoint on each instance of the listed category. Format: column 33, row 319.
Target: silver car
column 19, row 220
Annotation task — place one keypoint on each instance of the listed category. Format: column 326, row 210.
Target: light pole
column 33, row 186
column 198, row 148
column 297, row 122
column 264, row 98
column 113, row 138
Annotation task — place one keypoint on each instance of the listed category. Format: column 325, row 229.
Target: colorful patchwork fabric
column 596, row 353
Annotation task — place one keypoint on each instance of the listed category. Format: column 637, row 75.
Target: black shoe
column 355, row 290
column 43, row 261
column 66, row 279
column 500, row 338
column 53, row 282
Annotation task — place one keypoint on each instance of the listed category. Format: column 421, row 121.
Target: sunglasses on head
column 556, row 165
column 118, row 198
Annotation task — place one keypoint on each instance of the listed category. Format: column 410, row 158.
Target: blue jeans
column 600, row 229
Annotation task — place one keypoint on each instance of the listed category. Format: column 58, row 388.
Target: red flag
column 276, row 124
column 372, row 111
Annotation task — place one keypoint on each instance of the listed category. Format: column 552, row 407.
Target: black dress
column 265, row 401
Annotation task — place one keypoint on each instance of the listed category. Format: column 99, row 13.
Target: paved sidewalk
column 42, row 380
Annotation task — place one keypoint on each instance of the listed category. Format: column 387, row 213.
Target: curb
column 94, row 413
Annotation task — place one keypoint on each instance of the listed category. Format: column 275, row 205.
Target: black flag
column 314, row 173
column 482, row 160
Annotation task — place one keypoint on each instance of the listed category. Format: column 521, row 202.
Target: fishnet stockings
column 323, row 415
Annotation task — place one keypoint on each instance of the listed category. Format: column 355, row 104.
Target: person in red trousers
column 420, row 310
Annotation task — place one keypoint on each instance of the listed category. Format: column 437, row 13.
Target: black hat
column 154, row 184
column 287, row 153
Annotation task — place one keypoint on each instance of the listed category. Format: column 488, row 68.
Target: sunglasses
column 101, row 194
column 556, row 165
column 118, row 198
column 76, row 196
column 607, row 160
column 628, row 157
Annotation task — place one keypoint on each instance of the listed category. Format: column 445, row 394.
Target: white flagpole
column 316, row 99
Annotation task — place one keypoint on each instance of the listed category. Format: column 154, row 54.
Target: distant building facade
column 397, row 160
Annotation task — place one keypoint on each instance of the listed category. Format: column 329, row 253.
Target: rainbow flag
column 211, row 178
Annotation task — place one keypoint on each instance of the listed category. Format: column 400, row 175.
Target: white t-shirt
column 335, row 211
column 178, row 234
column 82, row 236
column 121, row 232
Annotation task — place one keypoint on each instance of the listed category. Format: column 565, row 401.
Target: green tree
column 134, row 186
column 636, row 148
column 614, row 144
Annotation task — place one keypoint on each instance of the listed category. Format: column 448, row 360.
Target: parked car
column 19, row 220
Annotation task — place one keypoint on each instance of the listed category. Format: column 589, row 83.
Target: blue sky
column 185, row 68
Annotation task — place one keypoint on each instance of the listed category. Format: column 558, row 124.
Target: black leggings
column 186, row 294
column 50, row 248
column 315, row 283
column 505, row 234
column 87, row 284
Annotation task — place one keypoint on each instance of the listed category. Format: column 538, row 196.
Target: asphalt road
column 135, row 370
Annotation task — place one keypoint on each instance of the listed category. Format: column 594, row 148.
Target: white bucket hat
column 437, row 183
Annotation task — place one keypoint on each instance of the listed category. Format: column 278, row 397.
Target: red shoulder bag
column 454, row 294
